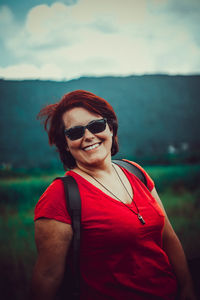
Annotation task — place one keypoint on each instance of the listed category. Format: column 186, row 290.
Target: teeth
column 91, row 147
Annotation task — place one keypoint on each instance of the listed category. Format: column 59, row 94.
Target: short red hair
column 53, row 122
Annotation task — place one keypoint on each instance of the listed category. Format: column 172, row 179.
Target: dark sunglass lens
column 97, row 126
column 75, row 133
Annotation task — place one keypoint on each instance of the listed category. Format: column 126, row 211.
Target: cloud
column 30, row 71
column 122, row 12
column 98, row 38
column 184, row 7
column 6, row 16
column 45, row 24
column 6, row 22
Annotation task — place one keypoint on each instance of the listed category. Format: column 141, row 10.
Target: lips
column 91, row 147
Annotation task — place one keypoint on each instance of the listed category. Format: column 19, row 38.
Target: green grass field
column 178, row 187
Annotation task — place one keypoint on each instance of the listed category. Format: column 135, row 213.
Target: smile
column 91, row 147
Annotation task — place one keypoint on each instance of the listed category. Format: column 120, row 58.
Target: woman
column 121, row 257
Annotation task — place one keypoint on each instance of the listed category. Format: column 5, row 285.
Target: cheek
column 109, row 133
column 73, row 145
column 106, row 136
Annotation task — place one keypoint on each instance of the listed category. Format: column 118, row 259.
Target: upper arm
column 53, row 239
column 157, row 198
column 167, row 230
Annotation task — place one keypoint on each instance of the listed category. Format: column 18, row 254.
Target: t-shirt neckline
column 100, row 191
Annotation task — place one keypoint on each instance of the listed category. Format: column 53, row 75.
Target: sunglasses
column 77, row 132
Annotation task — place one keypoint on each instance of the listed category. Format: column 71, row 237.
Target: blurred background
column 141, row 56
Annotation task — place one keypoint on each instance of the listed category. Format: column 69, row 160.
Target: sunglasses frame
column 67, row 131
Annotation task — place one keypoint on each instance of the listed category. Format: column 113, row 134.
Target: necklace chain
column 125, row 189
column 136, row 213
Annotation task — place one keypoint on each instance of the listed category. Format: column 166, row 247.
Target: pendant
column 141, row 219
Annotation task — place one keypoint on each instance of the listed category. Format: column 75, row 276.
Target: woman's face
column 81, row 149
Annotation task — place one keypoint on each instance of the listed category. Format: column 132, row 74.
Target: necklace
column 136, row 213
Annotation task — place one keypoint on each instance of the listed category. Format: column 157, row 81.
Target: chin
column 95, row 161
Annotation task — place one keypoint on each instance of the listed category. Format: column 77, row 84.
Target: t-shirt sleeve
column 150, row 182
column 52, row 204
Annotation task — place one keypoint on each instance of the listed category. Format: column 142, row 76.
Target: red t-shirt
column 120, row 257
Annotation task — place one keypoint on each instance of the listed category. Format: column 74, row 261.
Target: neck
column 96, row 170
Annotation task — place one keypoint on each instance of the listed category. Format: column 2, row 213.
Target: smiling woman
column 90, row 143
column 57, row 118
column 128, row 247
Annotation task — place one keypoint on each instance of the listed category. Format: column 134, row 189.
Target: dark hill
column 157, row 114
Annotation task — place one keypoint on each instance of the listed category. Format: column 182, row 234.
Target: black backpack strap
column 131, row 168
column 74, row 208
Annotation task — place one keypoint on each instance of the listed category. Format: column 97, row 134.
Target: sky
column 73, row 38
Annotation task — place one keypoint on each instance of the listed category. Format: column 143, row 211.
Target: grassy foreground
column 178, row 187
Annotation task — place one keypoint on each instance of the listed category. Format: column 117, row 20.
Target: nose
column 88, row 135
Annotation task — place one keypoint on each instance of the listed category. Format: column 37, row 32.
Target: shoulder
column 149, row 180
column 56, row 186
column 53, row 192
column 52, row 203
